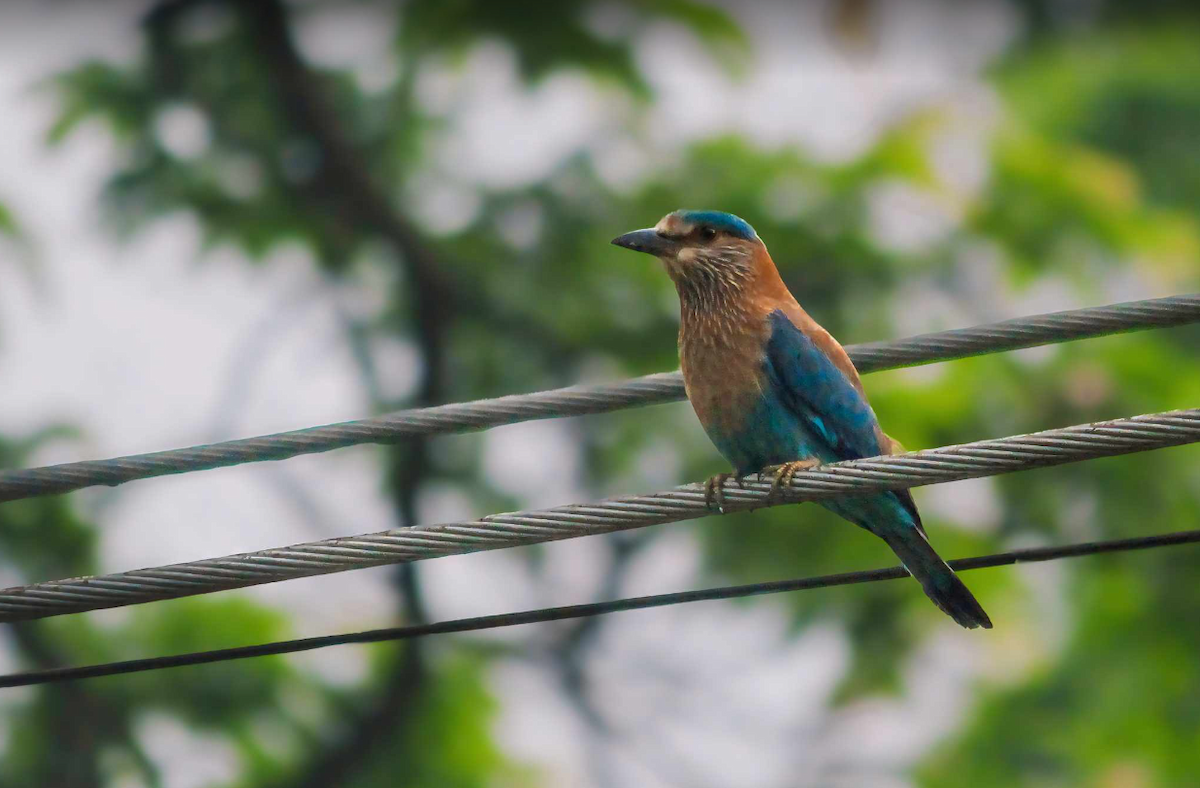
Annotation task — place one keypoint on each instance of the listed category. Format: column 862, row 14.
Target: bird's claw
column 714, row 490
column 784, row 474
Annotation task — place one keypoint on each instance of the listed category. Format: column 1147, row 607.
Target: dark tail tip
column 953, row 597
column 939, row 581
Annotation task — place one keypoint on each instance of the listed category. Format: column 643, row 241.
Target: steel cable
column 1020, row 556
column 514, row 529
column 579, row 400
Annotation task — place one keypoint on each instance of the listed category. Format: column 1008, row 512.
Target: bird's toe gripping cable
column 783, row 476
column 714, row 490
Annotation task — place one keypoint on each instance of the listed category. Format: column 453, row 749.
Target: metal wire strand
column 578, row 400
column 514, row 529
column 1022, row 556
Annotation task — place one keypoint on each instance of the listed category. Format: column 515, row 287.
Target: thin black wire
column 1023, row 555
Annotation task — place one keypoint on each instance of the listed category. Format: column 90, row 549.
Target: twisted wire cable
column 514, row 529
column 1023, row 555
column 579, row 400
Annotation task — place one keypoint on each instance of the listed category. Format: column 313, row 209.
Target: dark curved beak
column 647, row 241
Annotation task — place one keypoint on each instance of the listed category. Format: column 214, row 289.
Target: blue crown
column 719, row 220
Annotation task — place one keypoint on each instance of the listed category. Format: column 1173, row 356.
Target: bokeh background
column 220, row 219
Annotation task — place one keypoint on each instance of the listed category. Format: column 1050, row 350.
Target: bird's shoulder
column 797, row 318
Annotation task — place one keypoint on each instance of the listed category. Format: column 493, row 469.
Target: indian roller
column 773, row 388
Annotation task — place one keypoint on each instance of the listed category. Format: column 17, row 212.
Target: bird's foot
column 714, row 490
column 784, row 474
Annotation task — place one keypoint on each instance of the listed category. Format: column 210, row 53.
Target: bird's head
column 702, row 250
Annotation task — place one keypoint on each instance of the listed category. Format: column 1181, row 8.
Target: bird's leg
column 714, row 490
column 784, row 474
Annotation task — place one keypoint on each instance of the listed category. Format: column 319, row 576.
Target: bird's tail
column 939, row 581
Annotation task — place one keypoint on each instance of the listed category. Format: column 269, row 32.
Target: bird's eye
column 707, row 233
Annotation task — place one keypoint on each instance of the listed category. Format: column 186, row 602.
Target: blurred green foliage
column 1092, row 181
column 8, row 223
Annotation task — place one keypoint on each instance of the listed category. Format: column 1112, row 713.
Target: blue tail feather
column 888, row 517
column 939, row 581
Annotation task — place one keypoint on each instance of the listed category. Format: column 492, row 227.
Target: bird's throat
column 714, row 318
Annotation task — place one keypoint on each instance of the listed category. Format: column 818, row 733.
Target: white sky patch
column 790, row 198
column 905, row 218
column 398, row 365
column 354, row 36
column 622, row 164
column 970, row 504
column 186, row 758
column 959, row 151
column 658, row 465
column 482, row 584
column 182, row 130
column 801, row 90
column 521, row 225
column 896, row 731
column 1047, row 293
column 443, row 207
column 536, row 725
column 674, row 560
column 342, row 666
column 1145, row 279
column 920, row 307
column 981, row 282
column 543, row 124
column 572, row 570
column 439, row 86
column 725, row 686
column 537, row 461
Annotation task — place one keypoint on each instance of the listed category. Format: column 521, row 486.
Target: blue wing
column 822, row 397
column 819, row 393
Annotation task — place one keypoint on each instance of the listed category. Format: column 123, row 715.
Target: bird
column 774, row 389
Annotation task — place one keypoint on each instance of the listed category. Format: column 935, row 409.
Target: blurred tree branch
column 88, row 723
column 85, row 722
column 345, row 182
column 78, row 718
